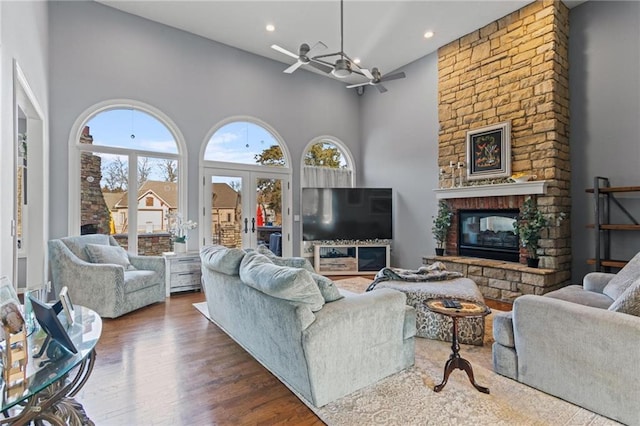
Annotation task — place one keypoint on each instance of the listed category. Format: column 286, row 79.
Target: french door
column 244, row 209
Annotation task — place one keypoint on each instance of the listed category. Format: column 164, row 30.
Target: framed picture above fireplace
column 489, row 152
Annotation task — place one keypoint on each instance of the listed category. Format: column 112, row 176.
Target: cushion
column 293, row 284
column 99, row 253
column 222, row 259
column 327, row 288
column 623, row 279
column 294, row 262
column 629, row 301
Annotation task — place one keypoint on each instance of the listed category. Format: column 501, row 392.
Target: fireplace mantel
column 495, row 190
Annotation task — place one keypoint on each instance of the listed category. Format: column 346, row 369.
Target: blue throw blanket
column 435, row 272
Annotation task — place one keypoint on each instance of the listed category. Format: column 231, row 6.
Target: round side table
column 467, row 309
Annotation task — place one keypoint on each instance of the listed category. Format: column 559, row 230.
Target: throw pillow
column 283, row 282
column 222, row 259
column 293, row 262
column 100, row 253
column 629, row 301
column 328, row 289
column 623, row 279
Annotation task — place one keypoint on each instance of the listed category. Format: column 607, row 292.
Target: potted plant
column 178, row 229
column 441, row 225
column 528, row 226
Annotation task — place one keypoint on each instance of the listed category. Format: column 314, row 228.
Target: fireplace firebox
column 488, row 234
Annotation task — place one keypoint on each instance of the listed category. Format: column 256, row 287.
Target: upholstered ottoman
column 436, row 326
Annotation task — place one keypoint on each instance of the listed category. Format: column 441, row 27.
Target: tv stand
column 350, row 259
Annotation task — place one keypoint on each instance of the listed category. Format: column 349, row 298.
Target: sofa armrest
column 356, row 341
column 596, row 281
column 87, row 282
column 579, row 353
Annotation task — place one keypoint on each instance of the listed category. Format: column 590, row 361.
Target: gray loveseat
column 579, row 343
column 319, row 342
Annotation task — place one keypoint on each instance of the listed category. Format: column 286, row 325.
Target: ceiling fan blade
column 283, row 50
column 381, row 88
column 393, row 76
column 319, row 46
column 366, row 73
column 293, row 67
column 319, row 66
column 357, row 85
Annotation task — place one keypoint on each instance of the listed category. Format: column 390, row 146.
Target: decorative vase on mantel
column 439, row 251
column 179, row 247
column 532, row 262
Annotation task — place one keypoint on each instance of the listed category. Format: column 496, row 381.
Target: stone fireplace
column 512, row 70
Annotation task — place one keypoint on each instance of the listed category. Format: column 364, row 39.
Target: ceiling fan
column 343, row 66
column 377, row 78
column 304, row 57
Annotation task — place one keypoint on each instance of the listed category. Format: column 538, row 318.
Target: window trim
column 75, row 148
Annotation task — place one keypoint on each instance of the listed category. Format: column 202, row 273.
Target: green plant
column 442, row 223
column 530, row 224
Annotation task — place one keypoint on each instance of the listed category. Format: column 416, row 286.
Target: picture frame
column 50, row 323
column 489, row 152
column 67, row 305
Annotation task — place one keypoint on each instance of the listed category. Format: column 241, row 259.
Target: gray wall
column 99, row 53
column 604, row 79
column 23, row 37
column 400, row 150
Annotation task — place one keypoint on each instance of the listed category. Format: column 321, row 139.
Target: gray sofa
column 320, row 342
column 104, row 277
column 579, row 343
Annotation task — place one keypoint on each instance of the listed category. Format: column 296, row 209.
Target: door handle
column 246, row 225
column 253, row 225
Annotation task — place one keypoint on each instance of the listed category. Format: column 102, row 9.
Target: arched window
column 327, row 164
column 129, row 176
column 244, row 142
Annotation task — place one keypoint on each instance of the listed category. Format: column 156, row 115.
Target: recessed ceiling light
column 428, row 34
column 356, row 60
column 270, row 27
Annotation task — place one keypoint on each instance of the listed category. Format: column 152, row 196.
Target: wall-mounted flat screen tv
column 347, row 214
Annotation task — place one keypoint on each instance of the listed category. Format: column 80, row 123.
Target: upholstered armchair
column 102, row 276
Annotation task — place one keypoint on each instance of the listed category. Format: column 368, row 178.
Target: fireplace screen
column 488, row 234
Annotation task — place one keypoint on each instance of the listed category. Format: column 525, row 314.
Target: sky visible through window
column 238, row 142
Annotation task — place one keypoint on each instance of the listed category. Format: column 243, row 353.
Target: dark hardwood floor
column 166, row 364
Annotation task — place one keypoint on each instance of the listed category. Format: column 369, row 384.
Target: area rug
column 407, row 398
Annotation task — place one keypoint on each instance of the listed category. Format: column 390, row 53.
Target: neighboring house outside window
column 110, row 142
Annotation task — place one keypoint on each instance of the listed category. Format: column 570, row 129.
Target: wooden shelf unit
column 603, row 197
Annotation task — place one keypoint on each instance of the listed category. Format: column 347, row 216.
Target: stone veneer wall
column 93, row 208
column 515, row 69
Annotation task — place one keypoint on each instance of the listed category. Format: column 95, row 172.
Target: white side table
column 183, row 271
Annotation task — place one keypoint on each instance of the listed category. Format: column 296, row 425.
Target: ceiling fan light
column 342, row 68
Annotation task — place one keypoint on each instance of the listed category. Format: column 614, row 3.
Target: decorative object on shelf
column 460, row 179
column 522, row 177
column 489, row 151
column 441, row 178
column 441, row 225
column 529, row 226
column 178, row 229
column 452, row 169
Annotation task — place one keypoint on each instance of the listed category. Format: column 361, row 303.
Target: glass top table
column 48, row 383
